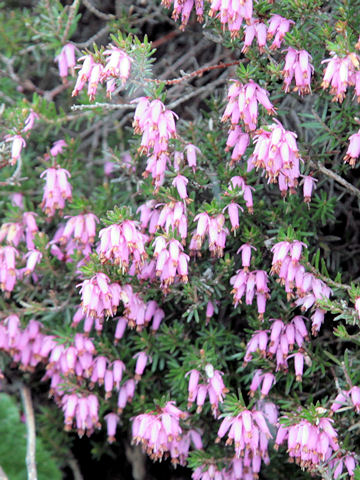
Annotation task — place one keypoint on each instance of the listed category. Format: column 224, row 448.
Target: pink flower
column 157, row 431
column 141, row 361
column 66, row 60
column 309, row 183
column 353, row 150
column 180, row 183
column 245, row 250
column 233, row 211
column 16, row 147
column 30, row 120
column 255, row 29
column 111, row 423
column 191, row 152
column 276, row 151
column 248, row 432
column 84, row 74
column 303, row 437
column 58, row 147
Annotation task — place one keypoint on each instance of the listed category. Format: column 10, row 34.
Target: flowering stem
column 31, row 437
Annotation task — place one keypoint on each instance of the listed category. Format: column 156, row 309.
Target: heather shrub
column 179, row 236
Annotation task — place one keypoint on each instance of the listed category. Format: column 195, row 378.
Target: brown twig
column 72, row 12
column 329, row 173
column 166, row 38
column 31, row 437
column 96, row 12
column 197, row 73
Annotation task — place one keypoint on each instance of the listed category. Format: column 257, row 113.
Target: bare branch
column 329, row 173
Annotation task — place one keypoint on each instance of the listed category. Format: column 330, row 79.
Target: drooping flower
column 56, row 191
column 353, row 151
column 66, row 60
column 30, row 120
column 18, row 143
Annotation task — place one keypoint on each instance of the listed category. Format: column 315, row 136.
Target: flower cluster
column 248, row 283
column 249, row 433
column 159, row 432
column 265, row 380
column 82, row 411
column 309, row 288
column 213, row 387
column 277, row 153
column 283, row 338
column 308, row 443
column 77, row 234
column 137, row 314
column 171, row 261
column 278, row 27
column 99, row 297
column 298, row 67
column 232, row 14
column 183, row 8
column 243, row 104
column 121, row 242
column 56, row 191
column 28, row 346
column 345, row 397
column 157, row 126
column 341, row 73
column 23, row 231
column 172, row 216
column 214, row 228
column 255, row 29
column 117, row 66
